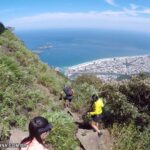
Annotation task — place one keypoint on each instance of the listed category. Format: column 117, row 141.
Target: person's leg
column 69, row 102
column 94, row 126
column 66, row 103
column 98, row 125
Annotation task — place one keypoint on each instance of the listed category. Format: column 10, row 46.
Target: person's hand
column 88, row 114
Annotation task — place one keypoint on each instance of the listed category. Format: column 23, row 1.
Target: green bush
column 62, row 136
column 89, row 79
column 130, row 138
column 82, row 96
column 137, row 91
column 2, row 28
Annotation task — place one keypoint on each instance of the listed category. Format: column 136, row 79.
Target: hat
column 45, row 129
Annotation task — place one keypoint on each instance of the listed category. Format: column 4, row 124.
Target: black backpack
column 68, row 91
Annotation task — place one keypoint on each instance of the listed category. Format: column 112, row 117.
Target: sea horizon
column 70, row 47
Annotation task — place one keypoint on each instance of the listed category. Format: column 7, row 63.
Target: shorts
column 97, row 118
column 69, row 98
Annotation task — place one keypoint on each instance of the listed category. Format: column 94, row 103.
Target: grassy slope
column 29, row 88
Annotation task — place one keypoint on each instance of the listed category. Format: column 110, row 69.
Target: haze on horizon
column 129, row 15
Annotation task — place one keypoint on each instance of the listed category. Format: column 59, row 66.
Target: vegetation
column 2, row 27
column 127, row 109
column 29, row 88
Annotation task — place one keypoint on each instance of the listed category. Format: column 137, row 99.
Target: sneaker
column 100, row 133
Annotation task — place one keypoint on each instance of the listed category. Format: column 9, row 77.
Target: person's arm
column 95, row 109
column 72, row 91
column 61, row 95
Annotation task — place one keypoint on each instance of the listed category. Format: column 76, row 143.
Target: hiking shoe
column 100, row 133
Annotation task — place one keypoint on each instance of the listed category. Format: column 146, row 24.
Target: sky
column 129, row 15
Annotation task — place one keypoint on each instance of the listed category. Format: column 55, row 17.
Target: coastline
column 111, row 68
column 105, row 59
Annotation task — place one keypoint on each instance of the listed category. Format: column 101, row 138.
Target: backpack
column 68, row 91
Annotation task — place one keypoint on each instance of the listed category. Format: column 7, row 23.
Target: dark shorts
column 97, row 118
column 69, row 98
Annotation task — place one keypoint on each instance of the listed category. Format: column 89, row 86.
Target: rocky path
column 89, row 140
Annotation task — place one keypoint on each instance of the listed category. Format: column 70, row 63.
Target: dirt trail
column 89, row 140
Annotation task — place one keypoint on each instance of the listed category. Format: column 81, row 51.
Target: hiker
column 96, row 113
column 39, row 128
column 68, row 91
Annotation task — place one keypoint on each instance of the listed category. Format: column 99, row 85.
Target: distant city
column 111, row 68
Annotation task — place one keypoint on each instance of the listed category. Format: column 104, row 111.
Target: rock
column 105, row 140
column 88, row 139
column 91, row 141
column 16, row 137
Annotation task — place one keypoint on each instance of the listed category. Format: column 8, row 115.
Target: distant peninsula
column 111, row 68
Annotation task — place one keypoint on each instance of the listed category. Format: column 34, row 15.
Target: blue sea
column 67, row 47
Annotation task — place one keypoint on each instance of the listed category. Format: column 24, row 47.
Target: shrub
column 90, row 79
column 2, row 28
column 130, row 138
column 62, row 135
column 83, row 93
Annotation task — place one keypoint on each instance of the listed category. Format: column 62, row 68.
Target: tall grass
column 27, row 89
column 62, row 136
column 130, row 138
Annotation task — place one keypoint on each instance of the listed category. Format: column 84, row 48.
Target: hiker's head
column 39, row 128
column 94, row 98
column 67, row 84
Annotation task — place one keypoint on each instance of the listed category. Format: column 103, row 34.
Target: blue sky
column 104, row 14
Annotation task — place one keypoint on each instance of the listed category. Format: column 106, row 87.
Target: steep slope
column 29, row 88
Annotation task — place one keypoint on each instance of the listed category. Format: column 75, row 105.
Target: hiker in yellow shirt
column 96, row 113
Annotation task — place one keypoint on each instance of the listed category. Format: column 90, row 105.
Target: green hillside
column 29, row 88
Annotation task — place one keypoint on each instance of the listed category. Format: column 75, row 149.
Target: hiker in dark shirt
column 68, row 91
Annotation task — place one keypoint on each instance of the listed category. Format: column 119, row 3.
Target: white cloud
column 130, row 12
column 111, row 2
column 119, row 20
column 146, row 11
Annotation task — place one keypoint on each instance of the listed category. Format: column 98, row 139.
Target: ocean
column 67, row 47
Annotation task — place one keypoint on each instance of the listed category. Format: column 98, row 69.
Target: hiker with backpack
column 68, row 91
column 96, row 112
column 39, row 128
